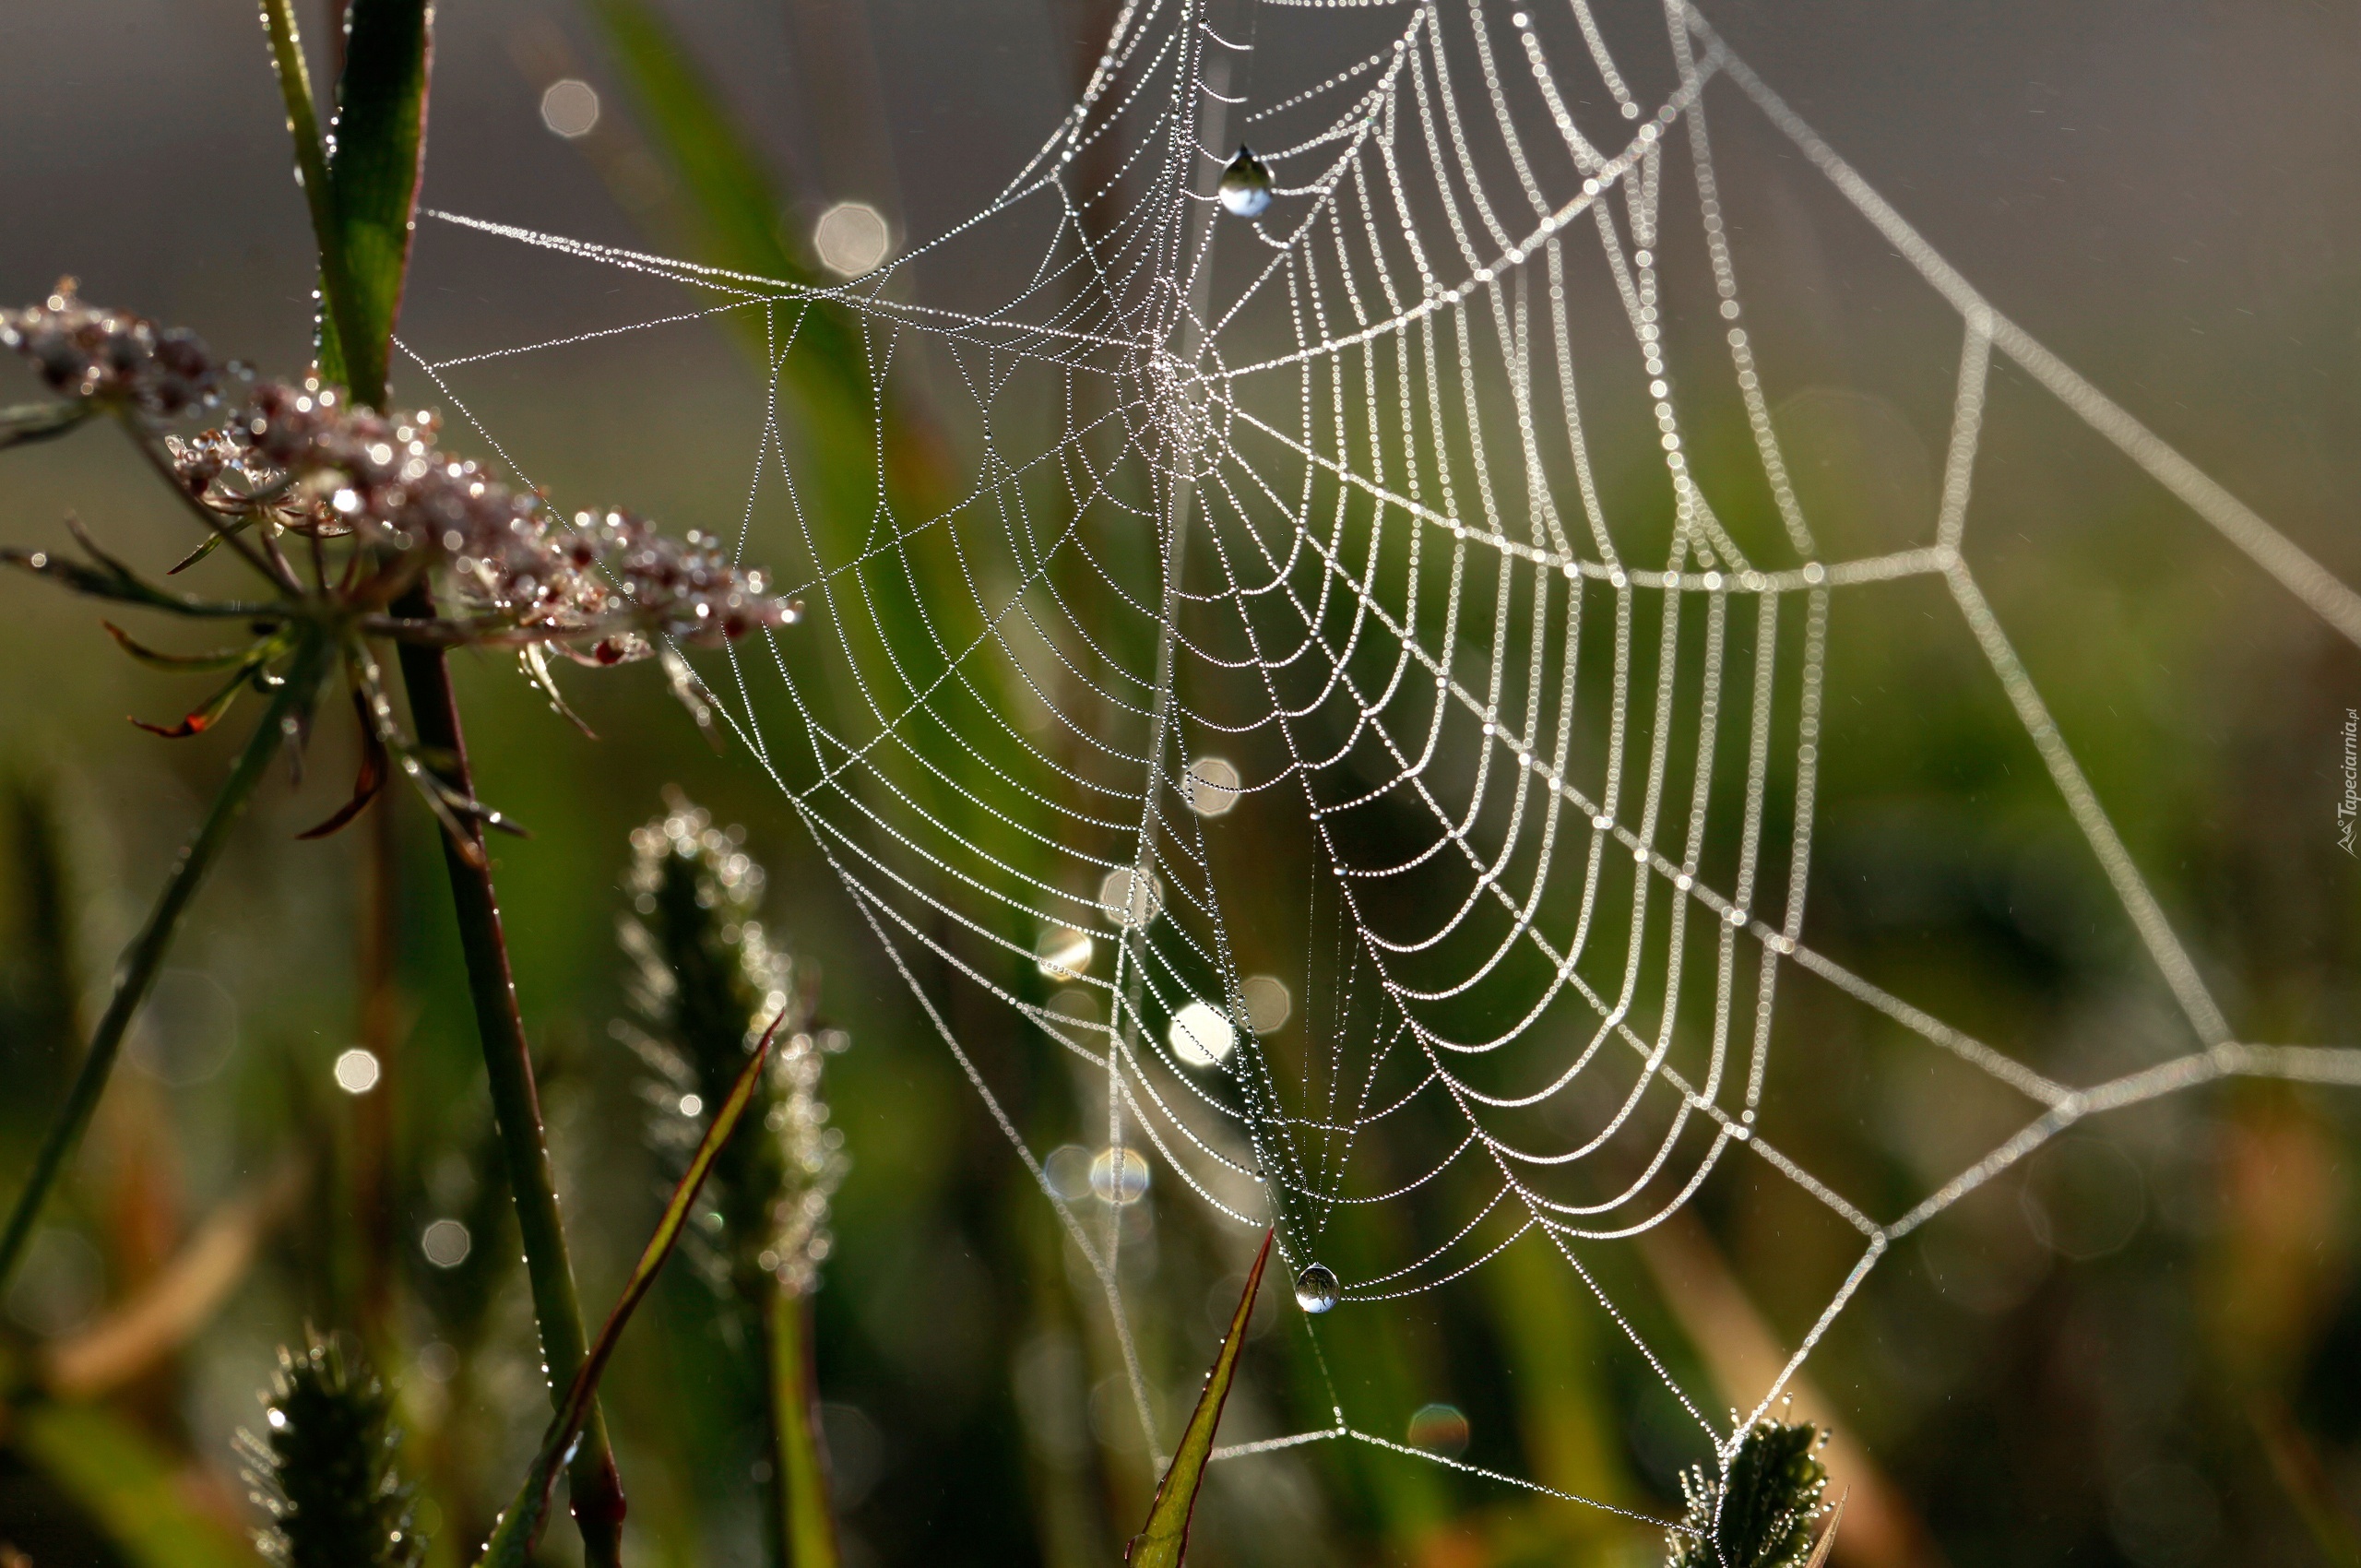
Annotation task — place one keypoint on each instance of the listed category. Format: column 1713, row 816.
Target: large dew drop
column 1315, row 1289
column 1246, row 185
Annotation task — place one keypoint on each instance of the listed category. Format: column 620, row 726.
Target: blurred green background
column 2140, row 1348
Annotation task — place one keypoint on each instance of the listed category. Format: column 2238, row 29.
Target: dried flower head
column 324, row 1468
column 1758, row 1513
column 82, row 351
column 708, row 983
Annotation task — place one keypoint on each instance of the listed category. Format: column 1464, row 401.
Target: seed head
column 1757, row 1514
column 707, row 984
column 324, row 1468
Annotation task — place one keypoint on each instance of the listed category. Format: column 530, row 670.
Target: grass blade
column 39, row 421
column 312, row 173
column 512, row 1543
column 1164, row 1539
column 131, row 1489
column 730, row 197
column 374, row 174
column 136, row 973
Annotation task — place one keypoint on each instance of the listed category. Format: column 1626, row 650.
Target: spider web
column 1283, row 531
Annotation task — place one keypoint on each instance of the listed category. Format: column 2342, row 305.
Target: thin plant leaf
column 180, row 663
column 212, row 542
column 1163, row 1541
column 368, row 779
column 29, row 423
column 374, row 174
column 807, row 1517
column 512, row 1542
column 208, row 714
column 1818, row 1557
column 107, row 576
column 534, row 660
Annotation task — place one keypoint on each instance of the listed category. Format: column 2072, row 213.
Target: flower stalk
column 596, row 1488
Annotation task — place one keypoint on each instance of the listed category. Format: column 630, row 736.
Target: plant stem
column 805, row 1526
column 145, row 954
column 596, row 1491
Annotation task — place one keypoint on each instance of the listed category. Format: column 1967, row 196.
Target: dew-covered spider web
column 1223, row 655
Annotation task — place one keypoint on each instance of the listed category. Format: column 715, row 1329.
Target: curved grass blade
column 29, row 423
column 512, row 1542
column 366, row 783
column 211, row 542
column 184, row 663
column 1163, row 1541
column 206, row 715
column 1828, row 1534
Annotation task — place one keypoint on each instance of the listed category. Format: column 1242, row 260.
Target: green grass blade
column 512, row 1542
column 311, row 173
column 373, row 174
column 23, row 425
column 1163, row 1541
column 729, row 193
column 132, row 1491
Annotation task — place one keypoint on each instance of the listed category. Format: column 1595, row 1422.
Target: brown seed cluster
column 113, row 356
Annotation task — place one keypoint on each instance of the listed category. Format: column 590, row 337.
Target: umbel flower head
column 1758, row 1514
column 708, row 982
column 84, row 352
column 364, row 530
column 324, row 1468
column 603, row 585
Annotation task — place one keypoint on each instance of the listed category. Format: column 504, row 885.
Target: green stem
column 596, row 1491
column 141, row 961
column 805, row 1526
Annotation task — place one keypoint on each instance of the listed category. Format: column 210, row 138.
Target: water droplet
column 1315, row 1289
column 1246, row 185
column 1210, row 786
column 570, row 107
column 447, row 1243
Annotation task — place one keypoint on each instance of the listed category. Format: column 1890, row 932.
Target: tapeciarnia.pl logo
column 2348, row 810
